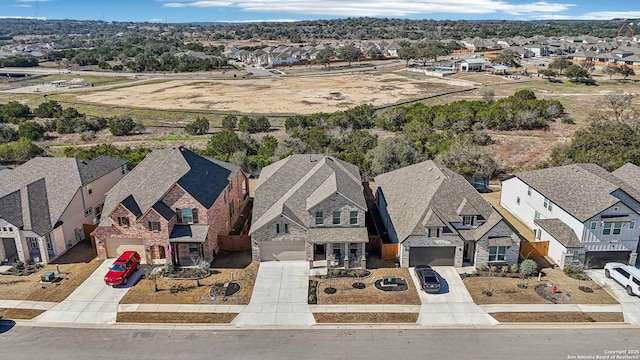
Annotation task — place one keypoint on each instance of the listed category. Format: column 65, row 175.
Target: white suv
column 628, row 276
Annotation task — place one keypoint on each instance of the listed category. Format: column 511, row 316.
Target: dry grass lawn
column 557, row 317
column 346, row 294
column 142, row 292
column 177, row 318
column 385, row 318
column 75, row 266
column 506, row 291
column 19, row 314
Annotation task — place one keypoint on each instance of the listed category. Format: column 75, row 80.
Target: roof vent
column 438, row 177
column 430, row 168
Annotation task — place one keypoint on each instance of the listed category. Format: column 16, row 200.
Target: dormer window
column 433, row 232
column 468, row 220
column 187, row 216
column 123, row 221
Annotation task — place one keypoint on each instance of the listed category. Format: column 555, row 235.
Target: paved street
column 26, row 342
column 93, row 302
column 279, row 296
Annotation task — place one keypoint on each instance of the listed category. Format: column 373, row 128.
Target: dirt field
column 278, row 95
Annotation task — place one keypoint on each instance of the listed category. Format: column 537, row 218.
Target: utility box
column 47, row 276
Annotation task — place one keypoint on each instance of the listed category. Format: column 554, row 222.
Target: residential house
column 172, row 206
column 588, row 215
column 47, row 204
column 472, row 64
column 438, row 218
column 310, row 207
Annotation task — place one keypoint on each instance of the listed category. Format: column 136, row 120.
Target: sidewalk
column 26, row 304
column 181, row 308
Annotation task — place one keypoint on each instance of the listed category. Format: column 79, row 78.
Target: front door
column 467, row 255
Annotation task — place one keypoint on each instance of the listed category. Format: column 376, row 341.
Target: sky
column 174, row 11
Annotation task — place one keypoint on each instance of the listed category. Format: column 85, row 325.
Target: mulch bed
column 354, row 318
column 20, row 314
column 399, row 285
column 557, row 317
column 178, row 318
column 23, row 270
column 222, row 290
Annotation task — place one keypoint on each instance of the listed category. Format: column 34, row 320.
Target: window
column 4, row 228
column 336, row 218
column 433, row 232
column 548, row 204
column 88, row 212
column 497, row 253
column 154, row 226
column 617, row 226
column 123, row 169
column 529, row 191
column 353, row 217
column 47, row 240
column 518, row 200
column 539, row 234
column 123, row 221
column 467, row 220
column 89, row 189
column 623, row 272
column 632, row 225
column 282, row 228
column 98, row 210
column 615, row 209
column 606, row 229
column 576, row 255
column 33, row 243
column 193, row 248
column 593, row 225
column 536, row 215
column 187, row 215
column 319, row 218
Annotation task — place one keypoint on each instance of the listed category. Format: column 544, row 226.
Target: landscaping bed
column 23, row 270
column 175, row 317
column 557, row 317
column 346, row 293
column 506, row 291
column 351, row 318
column 19, row 314
column 191, row 293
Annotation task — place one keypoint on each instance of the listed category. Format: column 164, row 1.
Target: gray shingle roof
column 337, row 235
column 189, row 233
column 298, row 182
column 426, row 194
column 147, row 183
column 560, row 231
column 582, row 190
column 630, row 174
column 45, row 187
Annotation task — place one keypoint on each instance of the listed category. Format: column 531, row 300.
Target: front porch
column 339, row 255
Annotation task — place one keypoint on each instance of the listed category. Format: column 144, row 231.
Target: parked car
column 122, row 268
column 481, row 187
column 428, row 277
column 628, row 276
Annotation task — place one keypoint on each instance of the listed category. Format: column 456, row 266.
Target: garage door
column 282, row 250
column 115, row 247
column 435, row 256
column 597, row 259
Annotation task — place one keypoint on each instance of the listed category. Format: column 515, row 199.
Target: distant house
column 468, row 65
column 48, row 205
column 589, row 215
column 310, row 208
column 438, row 218
column 171, row 206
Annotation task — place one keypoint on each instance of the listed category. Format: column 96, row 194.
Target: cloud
column 31, row 1
column 602, row 15
column 155, row 20
column 21, row 5
column 378, row 7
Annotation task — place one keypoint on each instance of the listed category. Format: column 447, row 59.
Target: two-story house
column 310, row 207
column 589, row 215
column 47, row 204
column 438, row 218
column 173, row 205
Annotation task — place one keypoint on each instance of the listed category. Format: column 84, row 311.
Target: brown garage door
column 435, row 256
column 115, row 247
column 282, row 250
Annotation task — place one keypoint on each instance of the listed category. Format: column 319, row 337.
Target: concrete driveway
column 630, row 304
column 279, row 296
column 93, row 302
column 452, row 305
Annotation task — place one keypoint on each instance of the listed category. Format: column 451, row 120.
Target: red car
column 122, row 268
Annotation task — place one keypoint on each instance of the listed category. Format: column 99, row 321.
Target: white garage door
column 282, row 250
column 115, row 247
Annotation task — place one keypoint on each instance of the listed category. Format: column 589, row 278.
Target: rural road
column 28, row 342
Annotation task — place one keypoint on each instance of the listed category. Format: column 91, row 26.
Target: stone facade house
column 589, row 215
column 438, row 218
column 172, row 206
column 310, row 208
column 47, row 204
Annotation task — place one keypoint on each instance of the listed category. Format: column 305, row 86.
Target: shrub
column 514, row 268
column 504, row 269
column 494, row 269
column 121, row 125
column 199, row 127
column 528, row 267
column 312, row 298
column 88, row 135
column 482, row 267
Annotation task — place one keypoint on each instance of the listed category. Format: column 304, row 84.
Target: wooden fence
column 538, row 248
column 386, row 251
column 234, row 242
column 87, row 228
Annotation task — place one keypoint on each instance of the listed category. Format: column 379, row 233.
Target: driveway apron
column 452, row 305
column 92, row 302
column 630, row 304
column 279, row 296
